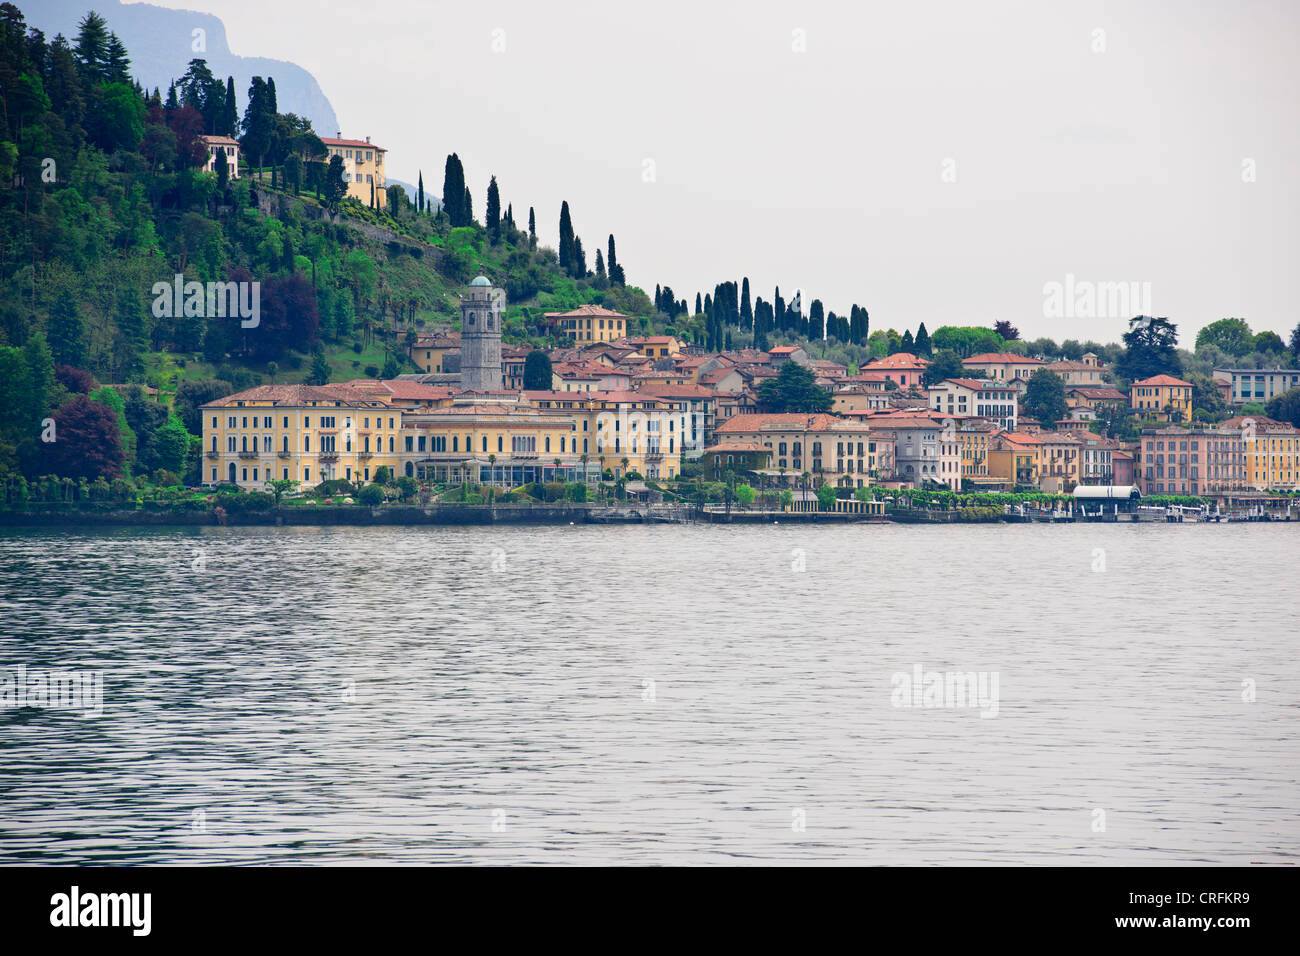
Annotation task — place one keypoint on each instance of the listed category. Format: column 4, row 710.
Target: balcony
column 248, row 454
column 212, row 454
column 328, row 456
column 283, row 454
column 365, row 454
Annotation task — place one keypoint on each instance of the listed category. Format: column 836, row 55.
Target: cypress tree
column 419, row 193
column 746, row 311
column 493, row 213
column 699, row 309
column 453, row 192
column 579, row 259
column 566, row 239
column 468, row 210
column 923, row 346
column 907, row 344
column 229, row 111
column 532, row 226
column 615, row 270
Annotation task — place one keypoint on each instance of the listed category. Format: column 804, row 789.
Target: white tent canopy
column 1107, row 492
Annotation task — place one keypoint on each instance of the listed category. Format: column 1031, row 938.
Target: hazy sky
column 937, row 162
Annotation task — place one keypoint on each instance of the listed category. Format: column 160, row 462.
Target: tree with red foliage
column 87, row 443
column 188, row 125
column 75, row 380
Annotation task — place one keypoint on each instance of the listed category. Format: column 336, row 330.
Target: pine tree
column 92, row 47
column 117, row 65
column 67, row 332
column 40, row 371
column 132, row 338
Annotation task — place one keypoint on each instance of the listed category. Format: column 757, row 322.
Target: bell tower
column 480, row 337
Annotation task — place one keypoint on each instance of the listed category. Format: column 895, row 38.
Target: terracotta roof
column 782, row 350
column 1021, row 438
column 1166, row 380
column 978, row 385
column 1001, row 358
column 586, row 312
column 676, row 391
column 353, row 143
column 898, row 360
column 219, row 140
column 738, row 446
column 296, row 395
column 1096, row 393
column 1071, row 366
column 786, row 421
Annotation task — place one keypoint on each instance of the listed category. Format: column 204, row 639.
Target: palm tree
column 624, row 460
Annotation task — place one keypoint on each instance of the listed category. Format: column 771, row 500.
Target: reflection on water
column 653, row 695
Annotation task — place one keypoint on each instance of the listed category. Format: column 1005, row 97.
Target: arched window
column 410, row 470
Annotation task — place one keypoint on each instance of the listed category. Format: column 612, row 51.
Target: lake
column 655, row 695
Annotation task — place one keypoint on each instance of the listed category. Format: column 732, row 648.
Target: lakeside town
column 636, row 412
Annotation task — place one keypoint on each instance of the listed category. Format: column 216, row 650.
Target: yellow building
column 1013, row 457
column 363, row 168
column 589, row 323
column 974, row 434
column 625, row 432
column 429, row 350
column 1058, row 462
column 501, row 442
column 843, row 452
column 1271, row 453
column 656, row 346
column 304, row 433
column 1162, row 397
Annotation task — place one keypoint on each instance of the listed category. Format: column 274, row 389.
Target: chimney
column 367, row 140
column 340, row 134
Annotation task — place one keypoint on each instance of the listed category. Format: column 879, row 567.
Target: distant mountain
column 160, row 42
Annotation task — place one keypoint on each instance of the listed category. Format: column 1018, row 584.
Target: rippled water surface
column 676, row 695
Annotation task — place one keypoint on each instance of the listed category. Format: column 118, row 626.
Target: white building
column 961, row 397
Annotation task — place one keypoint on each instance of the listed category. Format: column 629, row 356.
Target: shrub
column 371, row 495
column 335, row 486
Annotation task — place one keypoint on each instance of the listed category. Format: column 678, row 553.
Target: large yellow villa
column 363, row 168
